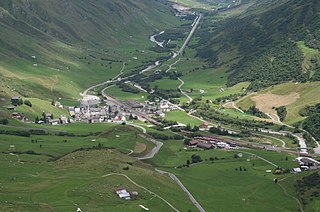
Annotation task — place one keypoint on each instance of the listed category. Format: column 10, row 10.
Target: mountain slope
column 262, row 42
column 57, row 48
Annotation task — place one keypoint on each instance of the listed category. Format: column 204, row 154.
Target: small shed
column 297, row 170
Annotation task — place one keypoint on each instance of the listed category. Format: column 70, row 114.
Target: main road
column 186, row 42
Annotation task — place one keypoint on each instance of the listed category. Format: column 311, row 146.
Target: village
column 97, row 111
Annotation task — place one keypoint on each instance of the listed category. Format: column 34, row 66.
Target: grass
column 117, row 92
column 182, row 117
column 123, row 139
column 208, row 80
column 74, row 179
column 38, row 107
column 236, row 114
column 166, row 84
column 308, row 96
column 217, row 185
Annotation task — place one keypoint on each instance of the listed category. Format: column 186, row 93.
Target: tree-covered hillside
column 262, row 42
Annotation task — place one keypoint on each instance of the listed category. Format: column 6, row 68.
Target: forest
column 262, row 47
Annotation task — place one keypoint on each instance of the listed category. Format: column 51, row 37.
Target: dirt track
column 267, row 101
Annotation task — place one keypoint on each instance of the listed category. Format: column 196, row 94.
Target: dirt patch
column 265, row 102
column 140, row 147
column 229, row 105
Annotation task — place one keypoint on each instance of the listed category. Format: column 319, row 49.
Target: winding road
column 152, row 153
column 184, row 93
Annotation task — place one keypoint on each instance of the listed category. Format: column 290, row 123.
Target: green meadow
column 51, row 172
column 219, row 184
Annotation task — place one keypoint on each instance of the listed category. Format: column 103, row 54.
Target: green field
column 119, row 94
column 44, row 172
column 182, row 117
column 217, row 185
column 76, row 180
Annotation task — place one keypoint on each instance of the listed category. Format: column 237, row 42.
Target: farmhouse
column 309, row 162
column 11, row 108
column 223, row 145
column 71, row 111
column 164, row 104
column 193, row 143
column 54, row 121
column 204, row 127
column 19, row 116
column 63, row 119
column 123, row 193
column 297, row 170
column 204, row 145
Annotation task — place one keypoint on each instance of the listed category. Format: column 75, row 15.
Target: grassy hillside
column 217, row 182
column 50, row 172
column 307, row 94
column 53, row 49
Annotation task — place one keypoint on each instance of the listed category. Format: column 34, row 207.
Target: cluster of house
column 210, row 142
column 124, row 194
column 58, row 105
column 306, row 163
column 97, row 114
column 157, row 108
column 48, row 118
column 19, row 116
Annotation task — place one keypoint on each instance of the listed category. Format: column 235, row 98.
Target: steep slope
column 56, row 48
column 262, row 43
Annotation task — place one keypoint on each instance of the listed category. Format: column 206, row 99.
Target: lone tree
column 4, row 121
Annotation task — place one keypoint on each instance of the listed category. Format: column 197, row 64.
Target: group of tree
column 253, row 110
column 4, row 121
column 218, row 131
column 311, row 124
column 125, row 87
column 165, row 137
column 308, row 187
column 191, row 129
column 282, row 112
column 266, row 42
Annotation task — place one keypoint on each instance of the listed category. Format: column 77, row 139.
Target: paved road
column 174, row 178
column 186, row 42
column 142, row 187
column 154, row 151
column 184, row 93
column 173, row 64
column 157, row 144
